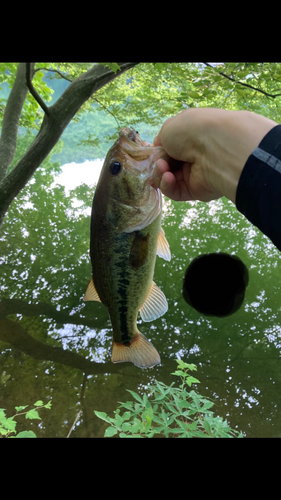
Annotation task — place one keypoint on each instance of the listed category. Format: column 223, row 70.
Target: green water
column 55, row 346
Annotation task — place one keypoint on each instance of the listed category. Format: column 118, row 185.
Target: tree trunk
column 13, row 109
column 53, row 125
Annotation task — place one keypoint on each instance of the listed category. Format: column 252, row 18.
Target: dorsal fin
column 91, row 293
column 155, row 304
column 163, row 248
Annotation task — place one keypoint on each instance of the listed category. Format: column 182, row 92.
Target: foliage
column 168, row 411
column 143, row 97
column 8, row 424
column 149, row 93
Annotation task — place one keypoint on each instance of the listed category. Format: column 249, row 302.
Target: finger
column 160, row 168
column 169, row 186
column 157, row 140
column 174, row 188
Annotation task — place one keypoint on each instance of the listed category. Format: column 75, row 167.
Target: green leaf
column 207, row 426
column 126, row 426
column 180, row 373
column 9, row 424
column 192, row 380
column 148, row 423
column 25, row 434
column 110, row 431
column 126, row 415
column 122, row 435
column 33, row 414
column 2, row 415
column 194, row 95
column 48, row 405
column 188, row 366
column 128, row 405
column 39, row 403
column 118, row 420
column 113, row 66
column 207, row 405
column 136, row 426
column 20, row 408
column 103, row 416
column 135, row 395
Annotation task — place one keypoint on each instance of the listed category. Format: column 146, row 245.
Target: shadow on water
column 55, row 346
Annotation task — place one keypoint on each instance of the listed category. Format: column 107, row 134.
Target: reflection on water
column 55, row 346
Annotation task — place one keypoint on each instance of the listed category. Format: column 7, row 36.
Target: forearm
column 258, row 195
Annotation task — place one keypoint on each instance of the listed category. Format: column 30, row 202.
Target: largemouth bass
column 126, row 235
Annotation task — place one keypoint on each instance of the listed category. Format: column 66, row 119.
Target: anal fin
column 155, row 304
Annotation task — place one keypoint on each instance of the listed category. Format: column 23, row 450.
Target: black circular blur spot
column 215, row 283
column 115, row 167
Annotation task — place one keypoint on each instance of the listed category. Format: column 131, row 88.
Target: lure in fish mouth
column 126, row 236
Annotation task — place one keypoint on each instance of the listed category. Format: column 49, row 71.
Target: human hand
column 212, row 146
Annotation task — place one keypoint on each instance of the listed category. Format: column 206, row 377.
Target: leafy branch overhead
column 130, row 93
column 244, row 84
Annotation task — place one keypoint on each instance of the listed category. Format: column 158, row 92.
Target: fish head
column 132, row 202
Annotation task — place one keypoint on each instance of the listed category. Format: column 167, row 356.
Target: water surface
column 55, row 346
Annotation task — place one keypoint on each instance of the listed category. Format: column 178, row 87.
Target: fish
column 125, row 237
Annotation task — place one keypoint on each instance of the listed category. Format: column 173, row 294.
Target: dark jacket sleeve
column 258, row 195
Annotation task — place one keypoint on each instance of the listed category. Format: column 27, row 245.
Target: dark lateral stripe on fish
column 122, row 288
column 123, row 310
column 123, row 306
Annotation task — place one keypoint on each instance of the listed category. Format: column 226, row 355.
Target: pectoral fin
column 163, row 248
column 155, row 304
column 91, row 293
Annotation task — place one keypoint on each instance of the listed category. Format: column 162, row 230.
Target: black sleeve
column 258, row 195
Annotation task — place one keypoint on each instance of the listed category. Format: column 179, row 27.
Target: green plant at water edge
column 168, row 411
column 8, row 424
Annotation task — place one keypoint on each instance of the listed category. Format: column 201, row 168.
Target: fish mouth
column 139, row 149
column 133, row 135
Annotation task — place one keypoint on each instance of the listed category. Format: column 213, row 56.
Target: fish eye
column 115, row 167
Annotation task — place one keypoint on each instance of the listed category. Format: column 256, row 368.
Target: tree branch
column 107, row 110
column 242, row 83
column 53, row 125
column 54, row 71
column 19, row 306
column 14, row 334
column 33, row 92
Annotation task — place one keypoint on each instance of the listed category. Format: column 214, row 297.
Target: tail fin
column 140, row 352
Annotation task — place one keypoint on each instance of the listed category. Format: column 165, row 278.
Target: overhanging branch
column 33, row 92
column 56, row 119
column 273, row 96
